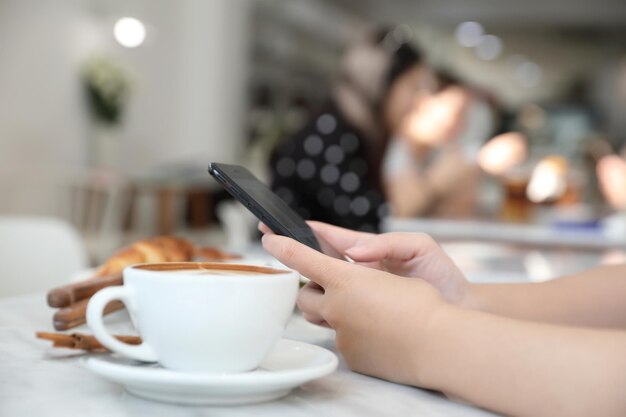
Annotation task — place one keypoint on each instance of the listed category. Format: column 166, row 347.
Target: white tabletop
column 38, row 380
column 606, row 234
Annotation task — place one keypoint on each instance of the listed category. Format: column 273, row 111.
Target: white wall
column 41, row 120
column 186, row 103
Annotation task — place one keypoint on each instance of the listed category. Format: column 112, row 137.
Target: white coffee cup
column 200, row 316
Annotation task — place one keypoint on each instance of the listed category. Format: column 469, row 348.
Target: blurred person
column 331, row 169
column 404, row 312
column 430, row 169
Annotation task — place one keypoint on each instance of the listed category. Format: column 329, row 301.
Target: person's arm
column 522, row 368
column 447, row 187
column 401, row 329
column 410, row 194
column 596, row 297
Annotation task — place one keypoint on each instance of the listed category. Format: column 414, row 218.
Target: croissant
column 159, row 249
column 73, row 297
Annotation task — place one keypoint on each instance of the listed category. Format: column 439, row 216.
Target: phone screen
column 268, row 207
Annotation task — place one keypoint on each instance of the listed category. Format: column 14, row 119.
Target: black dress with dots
column 322, row 172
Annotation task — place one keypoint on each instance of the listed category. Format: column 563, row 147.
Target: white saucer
column 287, row 366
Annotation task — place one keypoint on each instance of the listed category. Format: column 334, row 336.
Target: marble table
column 36, row 380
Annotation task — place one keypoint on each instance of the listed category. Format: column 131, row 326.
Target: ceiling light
column 129, row 32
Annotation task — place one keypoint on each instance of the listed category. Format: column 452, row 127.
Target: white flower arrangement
column 107, row 86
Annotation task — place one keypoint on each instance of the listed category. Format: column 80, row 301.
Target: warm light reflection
column 438, row 117
column 502, row 153
column 129, row 32
column 548, row 181
column 611, row 172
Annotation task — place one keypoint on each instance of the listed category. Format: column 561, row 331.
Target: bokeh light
column 489, row 48
column 548, row 181
column 129, row 32
column 528, row 74
column 502, row 153
column 611, row 172
column 437, row 118
column 469, row 34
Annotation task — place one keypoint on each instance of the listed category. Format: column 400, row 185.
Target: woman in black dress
column 331, row 169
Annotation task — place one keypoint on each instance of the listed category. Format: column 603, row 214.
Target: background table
column 38, row 380
column 609, row 233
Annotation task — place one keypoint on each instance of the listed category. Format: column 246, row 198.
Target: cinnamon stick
column 75, row 315
column 69, row 294
column 82, row 341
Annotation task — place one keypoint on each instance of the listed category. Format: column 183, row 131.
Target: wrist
column 471, row 298
column 442, row 320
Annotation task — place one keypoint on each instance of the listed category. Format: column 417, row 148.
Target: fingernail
column 268, row 237
column 355, row 250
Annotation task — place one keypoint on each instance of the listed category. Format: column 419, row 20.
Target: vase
column 105, row 146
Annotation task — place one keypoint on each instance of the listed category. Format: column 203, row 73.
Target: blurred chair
column 97, row 202
column 37, row 253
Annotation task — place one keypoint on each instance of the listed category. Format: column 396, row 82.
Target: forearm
column 523, row 368
column 409, row 194
column 591, row 298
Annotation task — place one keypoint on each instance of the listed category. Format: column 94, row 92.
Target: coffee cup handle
column 95, row 312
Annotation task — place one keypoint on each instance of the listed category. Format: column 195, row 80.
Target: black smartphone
column 268, row 207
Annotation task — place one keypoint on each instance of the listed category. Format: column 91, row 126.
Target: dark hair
column 403, row 56
column 403, row 59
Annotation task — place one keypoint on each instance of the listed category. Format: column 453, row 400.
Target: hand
column 382, row 320
column 453, row 181
column 340, row 239
column 411, row 255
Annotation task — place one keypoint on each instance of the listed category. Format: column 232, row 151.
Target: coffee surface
column 209, row 268
column 211, row 272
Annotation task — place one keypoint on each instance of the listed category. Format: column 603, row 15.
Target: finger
column 370, row 265
column 263, row 228
column 392, row 246
column 316, row 266
column 315, row 319
column 311, row 299
column 338, row 237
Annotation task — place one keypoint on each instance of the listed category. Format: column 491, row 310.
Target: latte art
column 213, row 272
column 209, row 268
